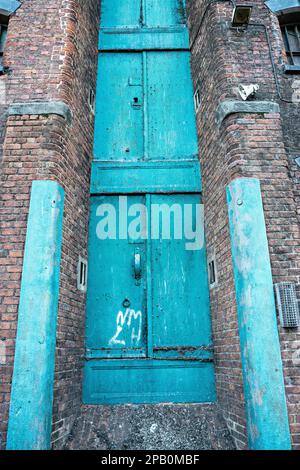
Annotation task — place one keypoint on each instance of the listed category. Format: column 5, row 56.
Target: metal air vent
column 287, row 304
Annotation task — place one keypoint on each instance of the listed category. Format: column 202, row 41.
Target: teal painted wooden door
column 148, row 334
column 148, row 324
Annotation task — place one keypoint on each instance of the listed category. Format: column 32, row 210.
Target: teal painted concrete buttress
column 30, row 414
column 267, row 418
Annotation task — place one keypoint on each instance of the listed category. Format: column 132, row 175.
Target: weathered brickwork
column 246, row 145
column 52, row 54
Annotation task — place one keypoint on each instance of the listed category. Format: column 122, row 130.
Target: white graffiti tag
column 124, row 320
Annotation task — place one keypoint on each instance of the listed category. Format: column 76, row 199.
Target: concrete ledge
column 42, row 108
column 7, row 7
column 282, row 7
column 228, row 107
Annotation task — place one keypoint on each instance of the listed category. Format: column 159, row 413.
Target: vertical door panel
column 120, row 13
column 116, row 309
column 119, row 107
column 164, row 13
column 181, row 316
column 170, row 108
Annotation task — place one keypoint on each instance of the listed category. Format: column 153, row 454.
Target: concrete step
column 150, row 427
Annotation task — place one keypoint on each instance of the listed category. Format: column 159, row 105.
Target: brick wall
column 52, row 55
column 246, row 145
column 52, row 52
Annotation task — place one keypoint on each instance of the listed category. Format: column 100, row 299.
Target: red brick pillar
column 52, row 56
column 251, row 142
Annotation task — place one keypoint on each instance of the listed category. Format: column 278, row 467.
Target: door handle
column 137, row 264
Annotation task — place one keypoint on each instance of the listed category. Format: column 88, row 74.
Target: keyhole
column 126, row 303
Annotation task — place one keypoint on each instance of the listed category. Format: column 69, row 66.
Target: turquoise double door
column 148, row 332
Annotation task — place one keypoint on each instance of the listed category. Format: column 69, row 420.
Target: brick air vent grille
column 287, row 304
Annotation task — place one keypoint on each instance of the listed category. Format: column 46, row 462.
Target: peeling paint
column 267, row 418
column 32, row 386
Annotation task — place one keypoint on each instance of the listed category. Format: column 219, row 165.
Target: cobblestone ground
column 150, row 427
